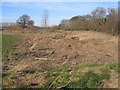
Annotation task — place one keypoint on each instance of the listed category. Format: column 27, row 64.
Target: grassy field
column 84, row 76
column 7, row 42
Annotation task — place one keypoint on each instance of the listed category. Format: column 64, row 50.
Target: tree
column 31, row 23
column 23, row 21
column 87, row 17
column 99, row 13
column 45, row 18
column 65, row 24
column 112, row 22
column 98, row 18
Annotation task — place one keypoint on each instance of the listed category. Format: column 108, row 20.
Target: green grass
column 7, row 42
column 53, row 73
column 92, row 65
column 89, row 80
column 18, row 53
column 113, row 66
column 4, row 75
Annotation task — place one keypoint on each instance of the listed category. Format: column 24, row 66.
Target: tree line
column 24, row 21
column 100, row 19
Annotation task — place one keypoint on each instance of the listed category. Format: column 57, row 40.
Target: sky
column 59, row 0
column 57, row 11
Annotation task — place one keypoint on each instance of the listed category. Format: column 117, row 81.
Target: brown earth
column 56, row 48
column 78, row 47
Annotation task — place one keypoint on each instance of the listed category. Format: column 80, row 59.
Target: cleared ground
column 57, row 58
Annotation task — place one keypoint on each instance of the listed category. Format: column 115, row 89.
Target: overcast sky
column 12, row 9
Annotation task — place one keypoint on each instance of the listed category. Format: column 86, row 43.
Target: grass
column 113, row 66
column 92, row 65
column 19, row 53
column 7, row 42
column 22, row 86
column 4, row 75
column 88, row 79
column 53, row 73
column 29, row 71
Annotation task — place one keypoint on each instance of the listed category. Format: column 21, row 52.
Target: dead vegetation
column 47, row 49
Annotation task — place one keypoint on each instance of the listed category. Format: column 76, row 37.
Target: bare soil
column 58, row 48
column 78, row 47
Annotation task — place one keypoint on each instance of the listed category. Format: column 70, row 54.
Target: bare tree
column 112, row 23
column 99, row 13
column 45, row 18
column 99, row 18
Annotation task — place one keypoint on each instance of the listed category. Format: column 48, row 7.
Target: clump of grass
column 4, row 75
column 105, row 74
column 83, row 42
column 7, row 42
column 63, row 80
column 93, row 65
column 84, row 80
column 7, row 76
column 19, row 53
column 6, row 53
column 22, row 86
column 29, row 71
column 52, row 69
column 113, row 66
column 53, row 73
column 89, row 80
column 105, row 70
